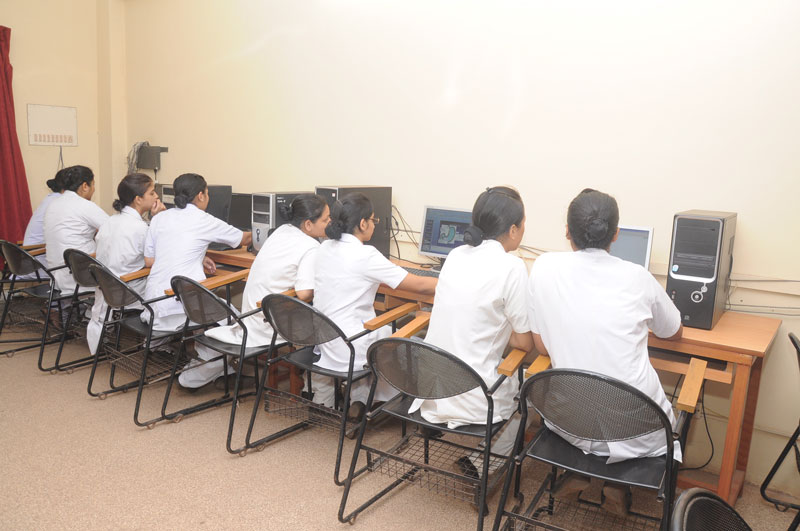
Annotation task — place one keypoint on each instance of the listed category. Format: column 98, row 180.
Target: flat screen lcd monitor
column 241, row 211
column 634, row 245
column 219, row 201
column 443, row 230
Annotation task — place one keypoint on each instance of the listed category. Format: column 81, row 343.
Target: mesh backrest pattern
column 79, row 263
column 708, row 513
column 421, row 370
column 201, row 306
column 593, row 407
column 19, row 261
column 116, row 293
column 297, row 322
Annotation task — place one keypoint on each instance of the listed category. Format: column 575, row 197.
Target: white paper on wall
column 52, row 125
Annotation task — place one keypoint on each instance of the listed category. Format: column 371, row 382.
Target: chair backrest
column 78, row 263
column 20, row 261
column 200, row 305
column 421, row 370
column 116, row 293
column 700, row 510
column 297, row 322
column 618, row 411
column 796, row 343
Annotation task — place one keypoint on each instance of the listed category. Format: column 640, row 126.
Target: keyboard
column 422, row 272
column 214, row 246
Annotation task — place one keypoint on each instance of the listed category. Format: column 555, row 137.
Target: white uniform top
column 34, row 232
column 479, row 300
column 593, row 311
column 120, row 247
column 178, row 239
column 348, row 274
column 285, row 261
column 70, row 222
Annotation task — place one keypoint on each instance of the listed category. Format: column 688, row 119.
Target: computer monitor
column 241, row 211
column 443, row 230
column 634, row 245
column 219, row 201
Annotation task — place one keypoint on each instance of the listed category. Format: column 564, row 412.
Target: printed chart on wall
column 52, row 125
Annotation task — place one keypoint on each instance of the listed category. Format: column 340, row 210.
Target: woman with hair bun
column 478, row 311
column 176, row 244
column 286, row 261
column 592, row 311
column 120, row 240
column 348, row 274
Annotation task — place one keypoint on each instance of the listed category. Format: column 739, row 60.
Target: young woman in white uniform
column 479, row 310
column 348, row 274
column 71, row 222
column 176, row 244
column 286, row 261
column 34, row 232
column 120, row 241
column 592, row 311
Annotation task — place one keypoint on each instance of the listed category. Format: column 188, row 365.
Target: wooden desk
column 740, row 340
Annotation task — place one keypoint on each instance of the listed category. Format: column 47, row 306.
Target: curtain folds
column 15, row 201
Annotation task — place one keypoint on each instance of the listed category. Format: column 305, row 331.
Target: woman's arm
column 522, row 341
column 148, row 262
column 247, row 239
column 539, row 344
column 305, row 295
column 418, row 284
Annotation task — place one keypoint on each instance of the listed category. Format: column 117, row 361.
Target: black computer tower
column 700, row 262
column 381, row 198
column 266, row 215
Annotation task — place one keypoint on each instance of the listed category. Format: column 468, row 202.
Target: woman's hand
column 157, row 207
column 209, row 266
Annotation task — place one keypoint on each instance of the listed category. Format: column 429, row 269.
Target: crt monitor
column 443, row 230
column 633, row 244
column 241, row 211
column 219, row 201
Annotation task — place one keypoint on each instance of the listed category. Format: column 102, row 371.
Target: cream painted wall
column 54, row 55
column 668, row 106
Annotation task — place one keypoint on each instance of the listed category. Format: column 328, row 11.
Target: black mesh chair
column 303, row 326
column 419, row 370
column 78, row 263
column 790, row 445
column 29, row 308
column 700, row 510
column 598, row 408
column 125, row 341
column 204, row 310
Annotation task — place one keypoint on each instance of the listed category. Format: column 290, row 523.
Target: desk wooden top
column 737, row 333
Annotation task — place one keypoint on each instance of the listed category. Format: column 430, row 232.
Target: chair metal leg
column 771, row 474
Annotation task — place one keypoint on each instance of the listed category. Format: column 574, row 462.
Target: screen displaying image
column 443, row 230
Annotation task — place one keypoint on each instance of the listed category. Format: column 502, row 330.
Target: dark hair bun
column 473, row 236
column 118, row 206
column 181, row 201
column 335, row 229
column 596, row 229
column 53, row 185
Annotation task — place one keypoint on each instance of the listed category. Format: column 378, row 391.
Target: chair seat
column 41, row 291
column 135, row 324
column 305, row 359
column 230, row 348
column 400, row 408
column 647, row 472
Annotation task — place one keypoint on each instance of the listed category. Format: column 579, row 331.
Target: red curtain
column 15, row 201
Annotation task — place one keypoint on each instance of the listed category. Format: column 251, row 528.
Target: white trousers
column 324, row 390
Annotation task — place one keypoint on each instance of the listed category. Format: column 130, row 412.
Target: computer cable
column 708, row 432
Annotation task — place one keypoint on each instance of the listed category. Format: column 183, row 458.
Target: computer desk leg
column 749, row 415
column 733, row 434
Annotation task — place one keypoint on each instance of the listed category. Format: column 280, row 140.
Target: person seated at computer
column 479, row 310
column 71, row 221
column 176, row 244
column 348, row 274
column 286, row 261
column 120, row 241
column 34, row 232
column 589, row 310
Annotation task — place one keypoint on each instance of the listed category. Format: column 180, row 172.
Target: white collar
column 351, row 238
column 129, row 210
column 593, row 250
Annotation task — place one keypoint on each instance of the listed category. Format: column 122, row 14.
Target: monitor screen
column 241, row 209
column 219, row 201
column 633, row 245
column 443, row 230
